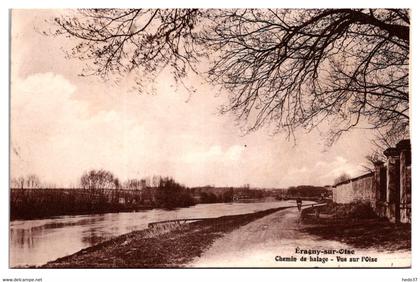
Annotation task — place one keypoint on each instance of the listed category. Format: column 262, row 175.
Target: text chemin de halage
column 324, row 255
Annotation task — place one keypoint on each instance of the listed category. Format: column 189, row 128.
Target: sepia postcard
column 210, row 138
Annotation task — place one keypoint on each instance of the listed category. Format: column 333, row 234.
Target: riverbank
column 249, row 240
column 151, row 249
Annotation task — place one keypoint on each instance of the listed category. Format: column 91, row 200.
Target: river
column 35, row 242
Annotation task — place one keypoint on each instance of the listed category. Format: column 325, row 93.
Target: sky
column 63, row 125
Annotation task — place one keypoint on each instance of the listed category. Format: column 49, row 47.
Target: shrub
column 356, row 210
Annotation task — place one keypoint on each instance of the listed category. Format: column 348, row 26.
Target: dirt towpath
column 274, row 240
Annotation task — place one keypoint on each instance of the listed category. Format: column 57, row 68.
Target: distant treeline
column 305, row 191
column 41, row 203
column 100, row 192
column 47, row 202
column 210, row 194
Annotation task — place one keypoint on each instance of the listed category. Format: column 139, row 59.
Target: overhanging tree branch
column 284, row 68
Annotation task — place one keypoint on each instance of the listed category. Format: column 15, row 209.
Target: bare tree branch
column 282, row 68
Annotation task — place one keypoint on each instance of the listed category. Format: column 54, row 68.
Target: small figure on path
column 299, row 203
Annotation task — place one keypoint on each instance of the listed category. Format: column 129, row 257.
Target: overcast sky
column 63, row 125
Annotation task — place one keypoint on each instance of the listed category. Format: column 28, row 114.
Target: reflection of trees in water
column 92, row 220
column 27, row 237
column 93, row 237
column 24, row 238
column 85, row 221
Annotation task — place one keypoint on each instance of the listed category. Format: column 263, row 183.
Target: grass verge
column 357, row 225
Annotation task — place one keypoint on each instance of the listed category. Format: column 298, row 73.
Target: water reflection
column 93, row 236
column 35, row 242
column 22, row 237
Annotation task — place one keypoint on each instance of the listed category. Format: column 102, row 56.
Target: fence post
column 393, row 184
column 404, row 149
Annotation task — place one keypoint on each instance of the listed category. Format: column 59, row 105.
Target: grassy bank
column 151, row 249
column 358, row 226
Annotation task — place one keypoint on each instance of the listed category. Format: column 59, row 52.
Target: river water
column 35, row 242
